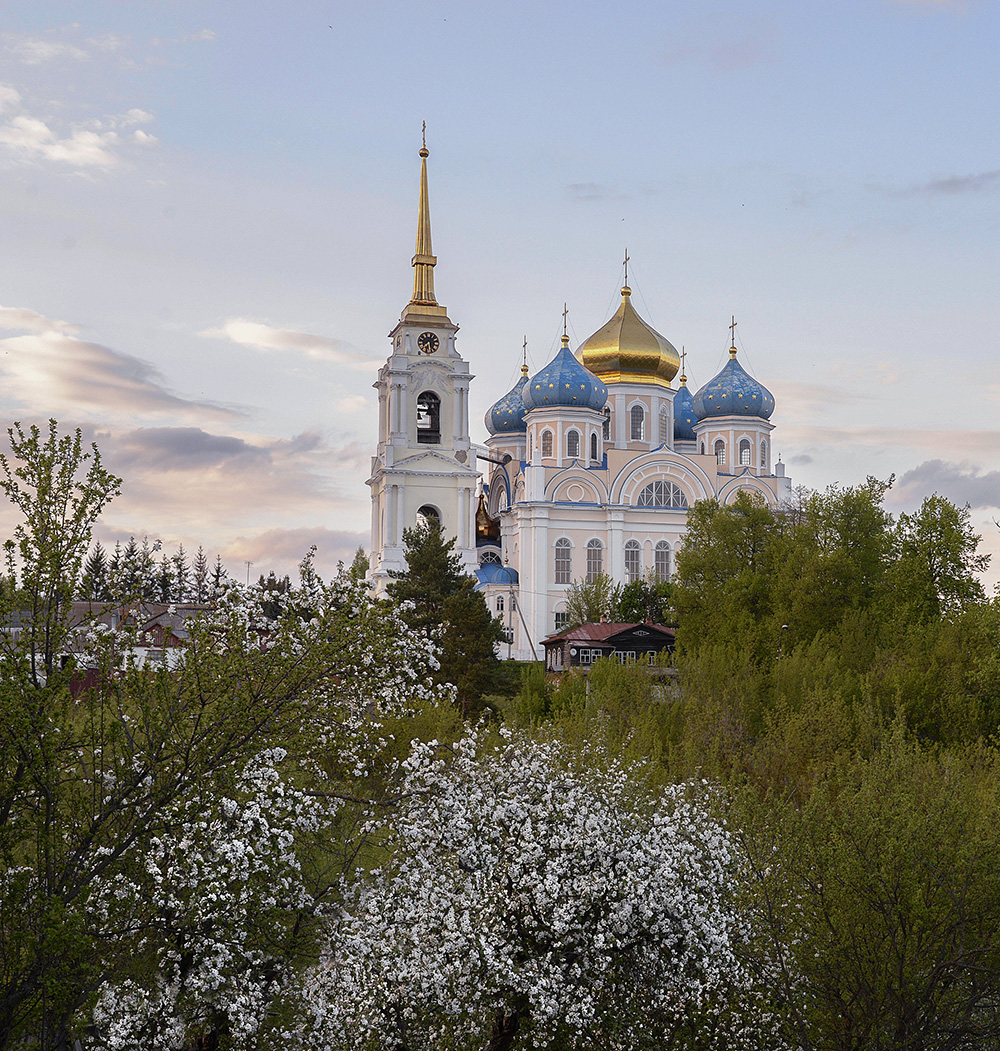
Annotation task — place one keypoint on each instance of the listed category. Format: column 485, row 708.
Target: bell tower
column 424, row 465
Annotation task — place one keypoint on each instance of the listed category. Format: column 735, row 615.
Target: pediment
column 428, row 461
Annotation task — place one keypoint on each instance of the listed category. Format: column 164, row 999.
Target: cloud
column 109, row 42
column 287, row 547
column 82, row 148
column 10, row 97
column 264, row 337
column 202, row 34
column 951, row 442
column 950, row 186
column 34, row 51
column 812, row 399
column 183, row 449
column 354, row 403
column 961, row 483
column 55, row 373
column 22, row 320
column 86, row 144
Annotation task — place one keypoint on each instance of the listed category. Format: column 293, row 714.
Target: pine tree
column 199, row 575
column 219, row 576
column 358, row 569
column 94, row 582
column 165, row 581
column 444, row 602
column 182, row 575
column 433, row 573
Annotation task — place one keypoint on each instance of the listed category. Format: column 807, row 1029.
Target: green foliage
column 590, row 601
column 880, row 895
column 60, row 489
column 644, row 600
column 440, row 598
column 468, row 651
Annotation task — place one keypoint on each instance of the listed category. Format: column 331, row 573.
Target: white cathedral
column 592, row 462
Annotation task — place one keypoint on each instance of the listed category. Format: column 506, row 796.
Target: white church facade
column 591, row 463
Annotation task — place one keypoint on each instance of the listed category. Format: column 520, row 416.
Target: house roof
column 592, row 632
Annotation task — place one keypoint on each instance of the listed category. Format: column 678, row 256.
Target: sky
column 208, row 210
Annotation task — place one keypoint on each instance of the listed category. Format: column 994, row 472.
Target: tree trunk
column 505, row 1027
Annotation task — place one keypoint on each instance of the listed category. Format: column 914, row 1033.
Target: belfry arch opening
column 428, row 516
column 428, row 418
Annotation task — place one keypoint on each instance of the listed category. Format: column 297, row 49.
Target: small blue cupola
column 684, row 414
column 506, row 416
column 733, row 392
column 565, row 383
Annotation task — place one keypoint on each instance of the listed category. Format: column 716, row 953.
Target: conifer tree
column 165, row 581
column 445, row 603
column 182, row 575
column 219, row 576
column 199, row 576
column 433, row 573
column 94, row 583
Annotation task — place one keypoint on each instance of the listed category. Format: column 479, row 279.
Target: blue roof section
column 733, row 392
column 684, row 415
column 494, row 573
column 507, row 415
column 565, row 382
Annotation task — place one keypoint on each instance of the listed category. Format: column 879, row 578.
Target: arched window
column 546, row 443
column 593, row 446
column 488, row 557
column 661, row 494
column 595, row 559
column 499, row 605
column 763, row 454
column 564, row 561
column 573, row 445
column 720, row 452
column 428, row 517
column 661, row 561
column 428, row 418
column 633, row 562
column 637, row 417
column 607, row 424
column 664, row 426
column 702, row 448
column 746, row 453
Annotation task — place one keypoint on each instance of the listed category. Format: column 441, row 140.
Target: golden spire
column 565, row 335
column 423, row 258
column 732, row 333
column 524, row 359
column 683, row 376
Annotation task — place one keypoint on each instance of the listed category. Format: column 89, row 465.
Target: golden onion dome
column 627, row 350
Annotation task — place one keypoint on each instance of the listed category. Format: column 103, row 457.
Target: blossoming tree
column 527, row 897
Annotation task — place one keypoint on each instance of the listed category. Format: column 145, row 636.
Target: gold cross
column 565, row 315
column 732, row 330
column 423, row 134
column 626, row 266
column 525, row 349
column 683, row 358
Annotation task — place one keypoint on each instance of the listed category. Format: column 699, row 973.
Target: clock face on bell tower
column 428, row 342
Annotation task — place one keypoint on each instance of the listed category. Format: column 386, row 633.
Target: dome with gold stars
column 627, row 350
column 733, row 392
column 564, row 382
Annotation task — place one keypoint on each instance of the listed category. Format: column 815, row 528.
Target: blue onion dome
column 565, row 382
column 494, row 573
column 684, row 414
column 507, row 415
column 734, row 392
